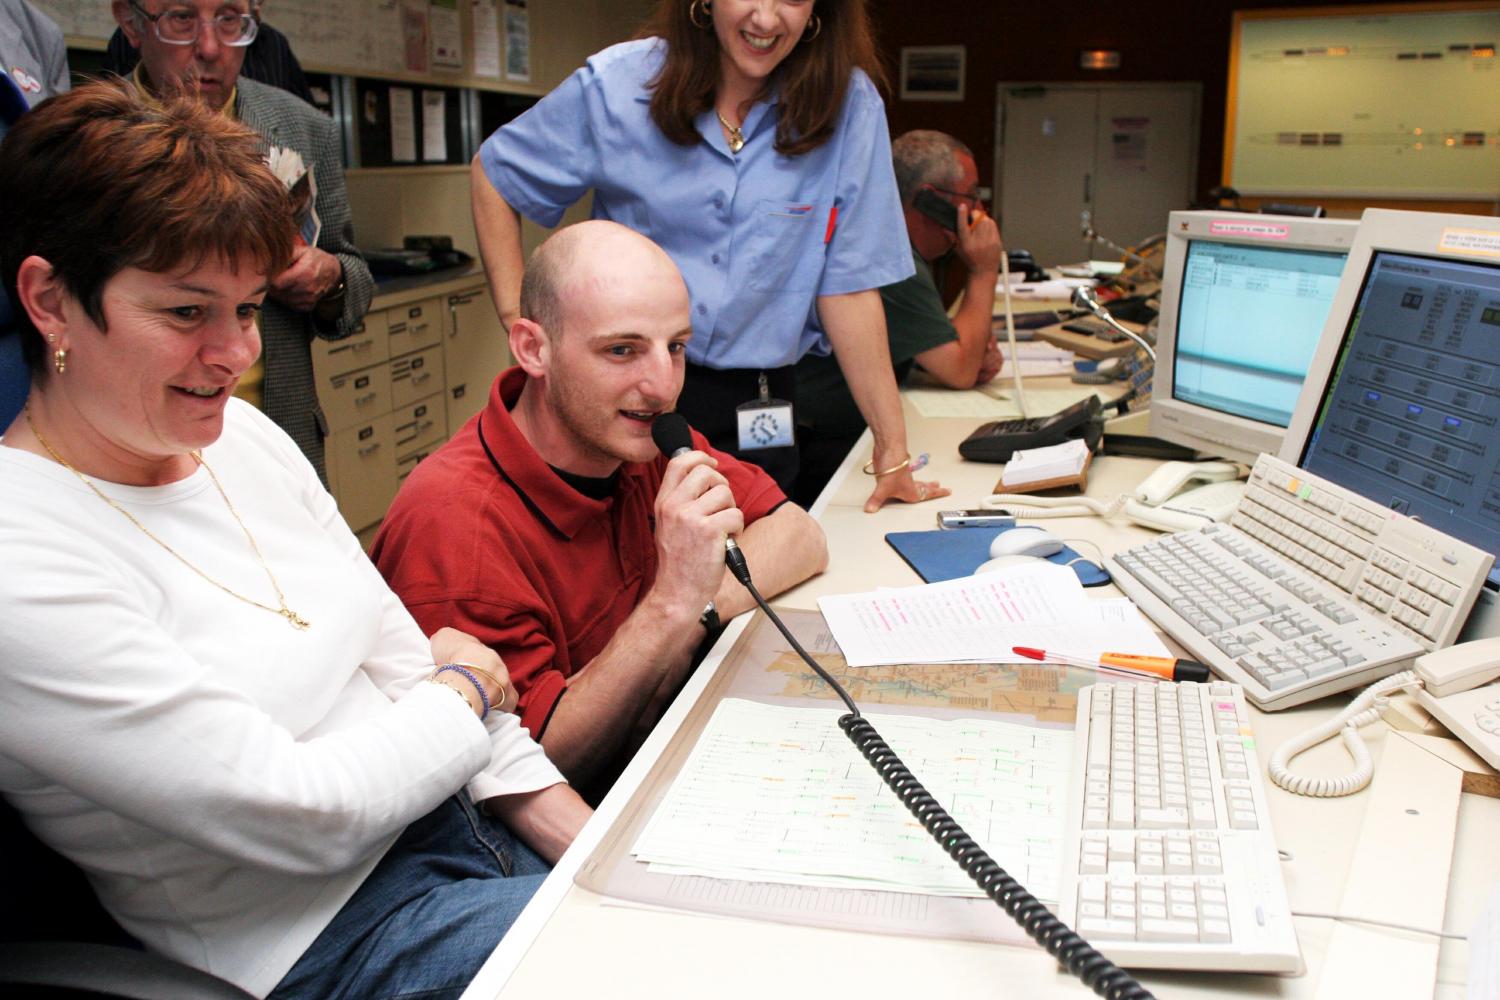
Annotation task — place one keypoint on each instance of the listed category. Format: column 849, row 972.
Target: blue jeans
column 427, row 917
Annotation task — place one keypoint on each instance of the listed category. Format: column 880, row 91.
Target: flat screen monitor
column 1243, row 303
column 1403, row 396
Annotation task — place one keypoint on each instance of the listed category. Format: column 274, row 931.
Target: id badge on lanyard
column 765, row 422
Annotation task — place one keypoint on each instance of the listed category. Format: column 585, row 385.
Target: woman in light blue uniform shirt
column 747, row 138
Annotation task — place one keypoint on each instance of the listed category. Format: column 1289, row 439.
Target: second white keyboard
column 1171, row 862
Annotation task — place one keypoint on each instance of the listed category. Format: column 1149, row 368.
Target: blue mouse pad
column 947, row 555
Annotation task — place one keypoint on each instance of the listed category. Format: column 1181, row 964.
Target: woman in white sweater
column 209, row 699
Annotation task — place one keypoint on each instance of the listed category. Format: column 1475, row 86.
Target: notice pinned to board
column 486, row 39
column 403, row 126
column 517, row 41
column 434, row 126
column 447, row 36
column 414, row 36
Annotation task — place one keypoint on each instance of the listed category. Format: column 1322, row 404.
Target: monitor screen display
column 1409, row 415
column 1244, row 303
column 1248, row 323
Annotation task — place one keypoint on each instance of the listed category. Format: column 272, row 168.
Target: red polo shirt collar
column 563, row 507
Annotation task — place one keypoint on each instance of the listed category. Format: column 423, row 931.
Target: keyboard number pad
column 1153, row 909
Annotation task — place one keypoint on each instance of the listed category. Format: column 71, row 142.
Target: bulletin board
column 1370, row 102
column 482, row 43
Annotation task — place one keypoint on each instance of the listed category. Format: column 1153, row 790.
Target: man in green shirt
column 959, row 352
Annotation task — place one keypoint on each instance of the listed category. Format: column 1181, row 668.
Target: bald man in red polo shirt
column 552, row 528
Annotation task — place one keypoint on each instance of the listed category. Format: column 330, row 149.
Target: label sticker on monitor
column 1480, row 241
column 1255, row 230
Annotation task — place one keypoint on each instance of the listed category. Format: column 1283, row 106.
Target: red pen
column 1168, row 668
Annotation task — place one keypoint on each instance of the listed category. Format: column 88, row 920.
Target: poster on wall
column 1129, row 141
column 447, row 36
column 486, row 39
column 414, row 36
column 932, row 73
column 517, row 42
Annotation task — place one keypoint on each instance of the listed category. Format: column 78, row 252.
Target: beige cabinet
column 477, row 350
column 419, row 366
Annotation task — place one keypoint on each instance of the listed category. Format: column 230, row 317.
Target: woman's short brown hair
column 97, row 180
column 814, row 77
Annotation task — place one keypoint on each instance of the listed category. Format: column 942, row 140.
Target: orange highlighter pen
column 1168, row 668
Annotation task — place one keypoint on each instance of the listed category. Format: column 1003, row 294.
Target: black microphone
column 672, row 436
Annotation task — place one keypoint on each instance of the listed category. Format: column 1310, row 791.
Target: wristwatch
column 330, row 308
column 710, row 618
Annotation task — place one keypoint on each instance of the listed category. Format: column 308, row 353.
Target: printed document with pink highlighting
column 978, row 619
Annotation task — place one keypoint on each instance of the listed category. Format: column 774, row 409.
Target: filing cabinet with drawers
column 393, row 391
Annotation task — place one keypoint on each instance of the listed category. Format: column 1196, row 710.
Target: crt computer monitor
column 1243, row 303
column 1402, row 403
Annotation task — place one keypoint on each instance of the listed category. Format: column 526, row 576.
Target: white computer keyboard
column 1310, row 589
column 1170, row 861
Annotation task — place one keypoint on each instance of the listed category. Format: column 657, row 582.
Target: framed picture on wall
column 932, row 73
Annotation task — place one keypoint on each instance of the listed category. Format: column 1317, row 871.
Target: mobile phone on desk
column 976, row 519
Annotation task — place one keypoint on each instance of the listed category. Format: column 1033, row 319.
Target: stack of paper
column 1035, row 465
column 980, row 619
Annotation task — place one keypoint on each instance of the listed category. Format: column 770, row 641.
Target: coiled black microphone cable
column 1080, row 958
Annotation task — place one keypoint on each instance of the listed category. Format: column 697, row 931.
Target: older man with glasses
column 268, row 58
column 198, row 47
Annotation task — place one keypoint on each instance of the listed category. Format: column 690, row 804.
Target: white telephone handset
column 1450, row 683
column 1460, row 689
column 1181, row 496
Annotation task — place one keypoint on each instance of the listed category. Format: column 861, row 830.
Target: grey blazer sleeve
column 286, row 121
column 337, row 236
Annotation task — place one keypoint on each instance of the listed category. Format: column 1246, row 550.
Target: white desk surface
column 571, row 942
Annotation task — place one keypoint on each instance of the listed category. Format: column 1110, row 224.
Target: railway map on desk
column 1029, row 693
column 1038, row 701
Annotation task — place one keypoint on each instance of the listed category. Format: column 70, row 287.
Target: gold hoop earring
column 704, row 8
column 60, row 360
column 817, row 27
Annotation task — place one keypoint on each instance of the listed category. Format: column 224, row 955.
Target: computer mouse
column 1001, row 562
column 1026, row 541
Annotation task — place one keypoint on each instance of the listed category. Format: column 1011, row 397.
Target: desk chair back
column 57, row 941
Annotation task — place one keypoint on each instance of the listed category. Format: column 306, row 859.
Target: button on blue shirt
column 757, row 235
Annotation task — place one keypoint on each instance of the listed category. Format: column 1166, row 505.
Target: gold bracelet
column 504, row 689
column 869, row 468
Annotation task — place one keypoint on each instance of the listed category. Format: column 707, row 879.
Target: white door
column 1125, row 153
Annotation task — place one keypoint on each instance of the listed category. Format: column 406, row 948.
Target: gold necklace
column 293, row 619
column 736, row 137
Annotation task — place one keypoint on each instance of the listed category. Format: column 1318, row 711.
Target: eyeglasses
column 181, row 26
column 975, row 196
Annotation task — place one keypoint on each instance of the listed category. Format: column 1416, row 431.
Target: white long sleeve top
column 225, row 781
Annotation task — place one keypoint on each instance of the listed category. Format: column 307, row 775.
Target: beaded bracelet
column 484, row 699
